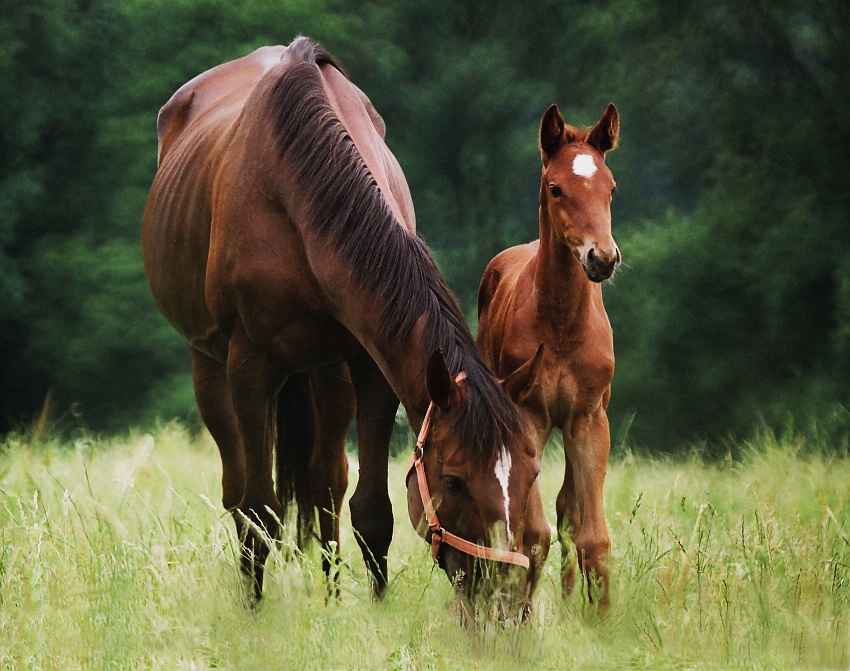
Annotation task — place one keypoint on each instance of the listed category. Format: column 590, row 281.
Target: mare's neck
column 403, row 362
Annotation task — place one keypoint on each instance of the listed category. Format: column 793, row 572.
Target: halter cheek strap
column 438, row 534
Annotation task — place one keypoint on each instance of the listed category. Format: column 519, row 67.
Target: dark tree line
column 732, row 208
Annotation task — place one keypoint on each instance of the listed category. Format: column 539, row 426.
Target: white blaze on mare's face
column 503, row 474
column 584, row 166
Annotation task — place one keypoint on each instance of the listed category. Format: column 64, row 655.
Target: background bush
column 733, row 310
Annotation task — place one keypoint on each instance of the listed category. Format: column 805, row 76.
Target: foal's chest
column 576, row 377
column 577, row 367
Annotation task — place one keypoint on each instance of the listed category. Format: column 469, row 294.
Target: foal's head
column 481, row 469
column 577, row 188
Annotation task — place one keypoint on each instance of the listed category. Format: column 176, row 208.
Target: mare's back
column 215, row 96
column 193, row 129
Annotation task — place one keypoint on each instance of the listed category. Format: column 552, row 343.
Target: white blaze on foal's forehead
column 584, row 166
column 503, row 475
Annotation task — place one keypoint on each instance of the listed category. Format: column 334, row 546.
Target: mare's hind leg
column 580, row 502
column 335, row 404
column 371, row 510
column 253, row 389
column 213, row 397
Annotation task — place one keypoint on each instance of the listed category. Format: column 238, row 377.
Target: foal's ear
column 518, row 385
column 604, row 135
column 441, row 386
column 551, row 133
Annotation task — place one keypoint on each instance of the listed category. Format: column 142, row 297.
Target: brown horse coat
column 278, row 239
column 545, row 297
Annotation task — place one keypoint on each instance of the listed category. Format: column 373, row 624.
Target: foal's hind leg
column 569, row 524
column 371, row 510
column 334, row 404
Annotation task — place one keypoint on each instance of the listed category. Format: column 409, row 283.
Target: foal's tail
column 296, row 434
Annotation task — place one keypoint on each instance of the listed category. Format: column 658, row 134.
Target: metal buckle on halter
column 436, row 541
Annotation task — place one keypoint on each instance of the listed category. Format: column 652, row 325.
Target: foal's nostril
column 599, row 268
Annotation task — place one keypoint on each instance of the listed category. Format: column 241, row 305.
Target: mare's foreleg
column 371, row 510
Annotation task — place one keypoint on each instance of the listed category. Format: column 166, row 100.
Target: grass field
column 116, row 554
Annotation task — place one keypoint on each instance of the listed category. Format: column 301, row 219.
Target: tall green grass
column 116, row 554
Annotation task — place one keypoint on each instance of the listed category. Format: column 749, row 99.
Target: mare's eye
column 455, row 484
column 555, row 191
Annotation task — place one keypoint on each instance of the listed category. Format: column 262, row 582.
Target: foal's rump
column 504, row 268
column 497, row 294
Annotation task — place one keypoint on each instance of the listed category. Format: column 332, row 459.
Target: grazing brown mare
column 279, row 238
column 548, row 292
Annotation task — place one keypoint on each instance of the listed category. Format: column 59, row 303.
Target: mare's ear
column 518, row 385
column 441, row 386
column 551, row 133
column 604, row 135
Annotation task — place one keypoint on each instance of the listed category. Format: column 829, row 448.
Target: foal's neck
column 563, row 290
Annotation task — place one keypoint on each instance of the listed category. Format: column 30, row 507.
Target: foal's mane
column 345, row 204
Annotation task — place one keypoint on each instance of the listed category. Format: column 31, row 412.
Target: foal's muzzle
column 600, row 266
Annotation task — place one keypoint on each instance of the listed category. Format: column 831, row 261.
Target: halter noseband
column 438, row 534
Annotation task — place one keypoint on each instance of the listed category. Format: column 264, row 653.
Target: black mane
column 346, row 205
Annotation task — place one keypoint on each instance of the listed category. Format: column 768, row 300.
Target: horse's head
column 577, row 187
column 480, row 473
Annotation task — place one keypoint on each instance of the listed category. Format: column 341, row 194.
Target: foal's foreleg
column 371, row 510
column 587, row 445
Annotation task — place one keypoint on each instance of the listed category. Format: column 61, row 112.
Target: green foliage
column 743, row 295
column 732, row 208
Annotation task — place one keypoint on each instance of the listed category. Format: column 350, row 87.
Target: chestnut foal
column 546, row 296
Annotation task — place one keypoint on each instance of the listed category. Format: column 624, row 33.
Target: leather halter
column 438, row 534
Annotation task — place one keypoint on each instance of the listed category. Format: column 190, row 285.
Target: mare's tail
column 296, row 433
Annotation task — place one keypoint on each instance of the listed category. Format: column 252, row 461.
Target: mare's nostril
column 619, row 258
column 591, row 256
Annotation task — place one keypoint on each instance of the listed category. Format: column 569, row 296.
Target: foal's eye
column 555, row 191
column 455, row 484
